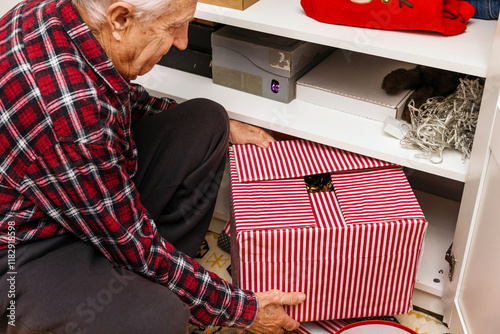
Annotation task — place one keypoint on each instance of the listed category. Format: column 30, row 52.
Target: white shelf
column 323, row 125
column 466, row 53
column 441, row 215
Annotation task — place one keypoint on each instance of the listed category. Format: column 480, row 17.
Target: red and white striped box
column 321, row 327
column 354, row 251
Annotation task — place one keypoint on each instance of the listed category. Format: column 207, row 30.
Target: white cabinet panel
column 6, row 5
column 476, row 307
column 479, row 294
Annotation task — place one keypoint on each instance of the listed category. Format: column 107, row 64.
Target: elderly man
column 95, row 223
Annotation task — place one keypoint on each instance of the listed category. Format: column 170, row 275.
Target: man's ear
column 120, row 15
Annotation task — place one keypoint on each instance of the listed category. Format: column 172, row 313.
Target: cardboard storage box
column 234, row 4
column 353, row 247
column 352, row 82
column 200, row 35
column 262, row 64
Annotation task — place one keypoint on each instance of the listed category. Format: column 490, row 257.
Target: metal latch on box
column 450, row 258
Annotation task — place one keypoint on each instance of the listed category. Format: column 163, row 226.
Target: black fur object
column 426, row 81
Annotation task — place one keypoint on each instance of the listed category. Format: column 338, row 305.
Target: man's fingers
column 290, row 325
column 271, row 316
column 258, row 139
column 292, row 298
column 267, row 136
column 284, row 298
column 242, row 133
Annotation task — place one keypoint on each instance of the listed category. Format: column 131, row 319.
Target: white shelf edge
column 466, row 53
column 300, row 119
column 441, row 215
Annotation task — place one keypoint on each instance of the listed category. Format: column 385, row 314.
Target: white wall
column 6, row 5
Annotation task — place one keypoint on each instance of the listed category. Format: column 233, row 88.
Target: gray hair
column 146, row 10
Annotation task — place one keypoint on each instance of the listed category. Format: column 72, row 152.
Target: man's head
column 136, row 33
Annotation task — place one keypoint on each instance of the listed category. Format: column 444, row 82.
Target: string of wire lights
column 445, row 122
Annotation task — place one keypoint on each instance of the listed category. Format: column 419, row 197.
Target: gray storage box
column 262, row 64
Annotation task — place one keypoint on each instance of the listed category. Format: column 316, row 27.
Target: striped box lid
column 274, row 204
column 269, row 191
column 296, row 158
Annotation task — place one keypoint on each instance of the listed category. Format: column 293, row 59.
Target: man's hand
column 271, row 317
column 241, row 133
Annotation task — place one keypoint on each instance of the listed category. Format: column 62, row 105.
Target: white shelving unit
column 466, row 53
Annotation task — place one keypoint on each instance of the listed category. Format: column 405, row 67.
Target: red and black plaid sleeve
column 67, row 157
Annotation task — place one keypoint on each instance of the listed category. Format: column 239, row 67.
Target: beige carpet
column 212, row 258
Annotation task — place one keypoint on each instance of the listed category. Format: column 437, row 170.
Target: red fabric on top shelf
column 448, row 17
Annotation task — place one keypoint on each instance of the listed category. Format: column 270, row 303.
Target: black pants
column 63, row 285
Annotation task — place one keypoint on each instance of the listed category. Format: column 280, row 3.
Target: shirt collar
column 90, row 48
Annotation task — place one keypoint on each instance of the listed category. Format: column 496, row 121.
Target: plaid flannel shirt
column 67, row 157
